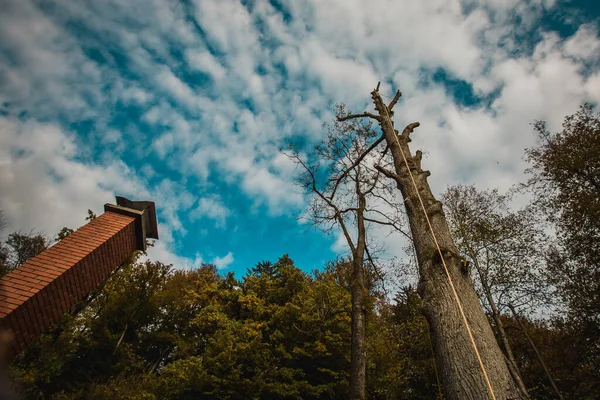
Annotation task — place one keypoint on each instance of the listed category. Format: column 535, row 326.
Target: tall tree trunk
column 461, row 373
column 510, row 357
column 358, row 354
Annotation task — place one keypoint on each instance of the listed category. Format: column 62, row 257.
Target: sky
column 188, row 103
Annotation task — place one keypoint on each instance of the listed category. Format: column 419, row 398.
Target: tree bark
column 460, row 369
column 358, row 354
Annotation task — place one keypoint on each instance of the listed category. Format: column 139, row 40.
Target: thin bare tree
column 347, row 193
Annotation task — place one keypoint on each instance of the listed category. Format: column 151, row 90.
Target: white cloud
column 50, row 64
column 277, row 192
column 174, row 86
column 584, row 45
column 113, row 136
column 166, row 251
column 272, row 80
column 162, row 252
column 211, row 208
column 592, row 88
column 44, row 187
column 202, row 60
column 136, row 95
column 284, row 165
column 223, row 262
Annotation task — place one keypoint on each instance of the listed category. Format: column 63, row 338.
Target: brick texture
column 37, row 294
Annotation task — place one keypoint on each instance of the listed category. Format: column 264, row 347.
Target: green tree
column 155, row 332
column 112, row 336
column 20, row 247
column 64, row 232
column 401, row 364
column 562, row 348
column 565, row 181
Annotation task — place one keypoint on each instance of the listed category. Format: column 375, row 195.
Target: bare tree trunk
column 537, row 353
column 461, row 372
column 358, row 354
column 343, row 147
column 510, row 357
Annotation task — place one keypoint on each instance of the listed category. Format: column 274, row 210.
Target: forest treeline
column 279, row 333
column 154, row 331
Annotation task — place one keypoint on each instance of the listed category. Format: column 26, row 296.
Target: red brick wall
column 38, row 293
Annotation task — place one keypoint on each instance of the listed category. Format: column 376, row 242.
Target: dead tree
column 471, row 363
column 342, row 189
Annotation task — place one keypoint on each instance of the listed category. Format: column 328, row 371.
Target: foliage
column 565, row 181
column 64, row 232
column 562, row 349
column 506, row 247
column 279, row 333
column 155, row 332
column 565, row 170
column 18, row 248
column 401, row 358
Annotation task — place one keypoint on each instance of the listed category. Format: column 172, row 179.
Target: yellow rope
column 462, row 313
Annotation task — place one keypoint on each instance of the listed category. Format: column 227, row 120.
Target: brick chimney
column 38, row 293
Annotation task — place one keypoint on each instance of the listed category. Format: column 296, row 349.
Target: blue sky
column 188, row 103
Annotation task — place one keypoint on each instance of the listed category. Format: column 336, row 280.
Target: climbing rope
column 462, row 313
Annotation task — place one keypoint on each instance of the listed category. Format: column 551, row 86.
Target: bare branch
column 389, row 223
column 353, row 116
column 409, row 129
column 376, row 221
column 383, row 154
column 386, row 172
column 121, row 338
column 374, row 185
column 313, row 186
column 384, row 215
column 375, row 269
column 394, row 100
column 418, row 157
column 377, row 88
column 391, row 204
column 346, row 233
column 354, row 165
